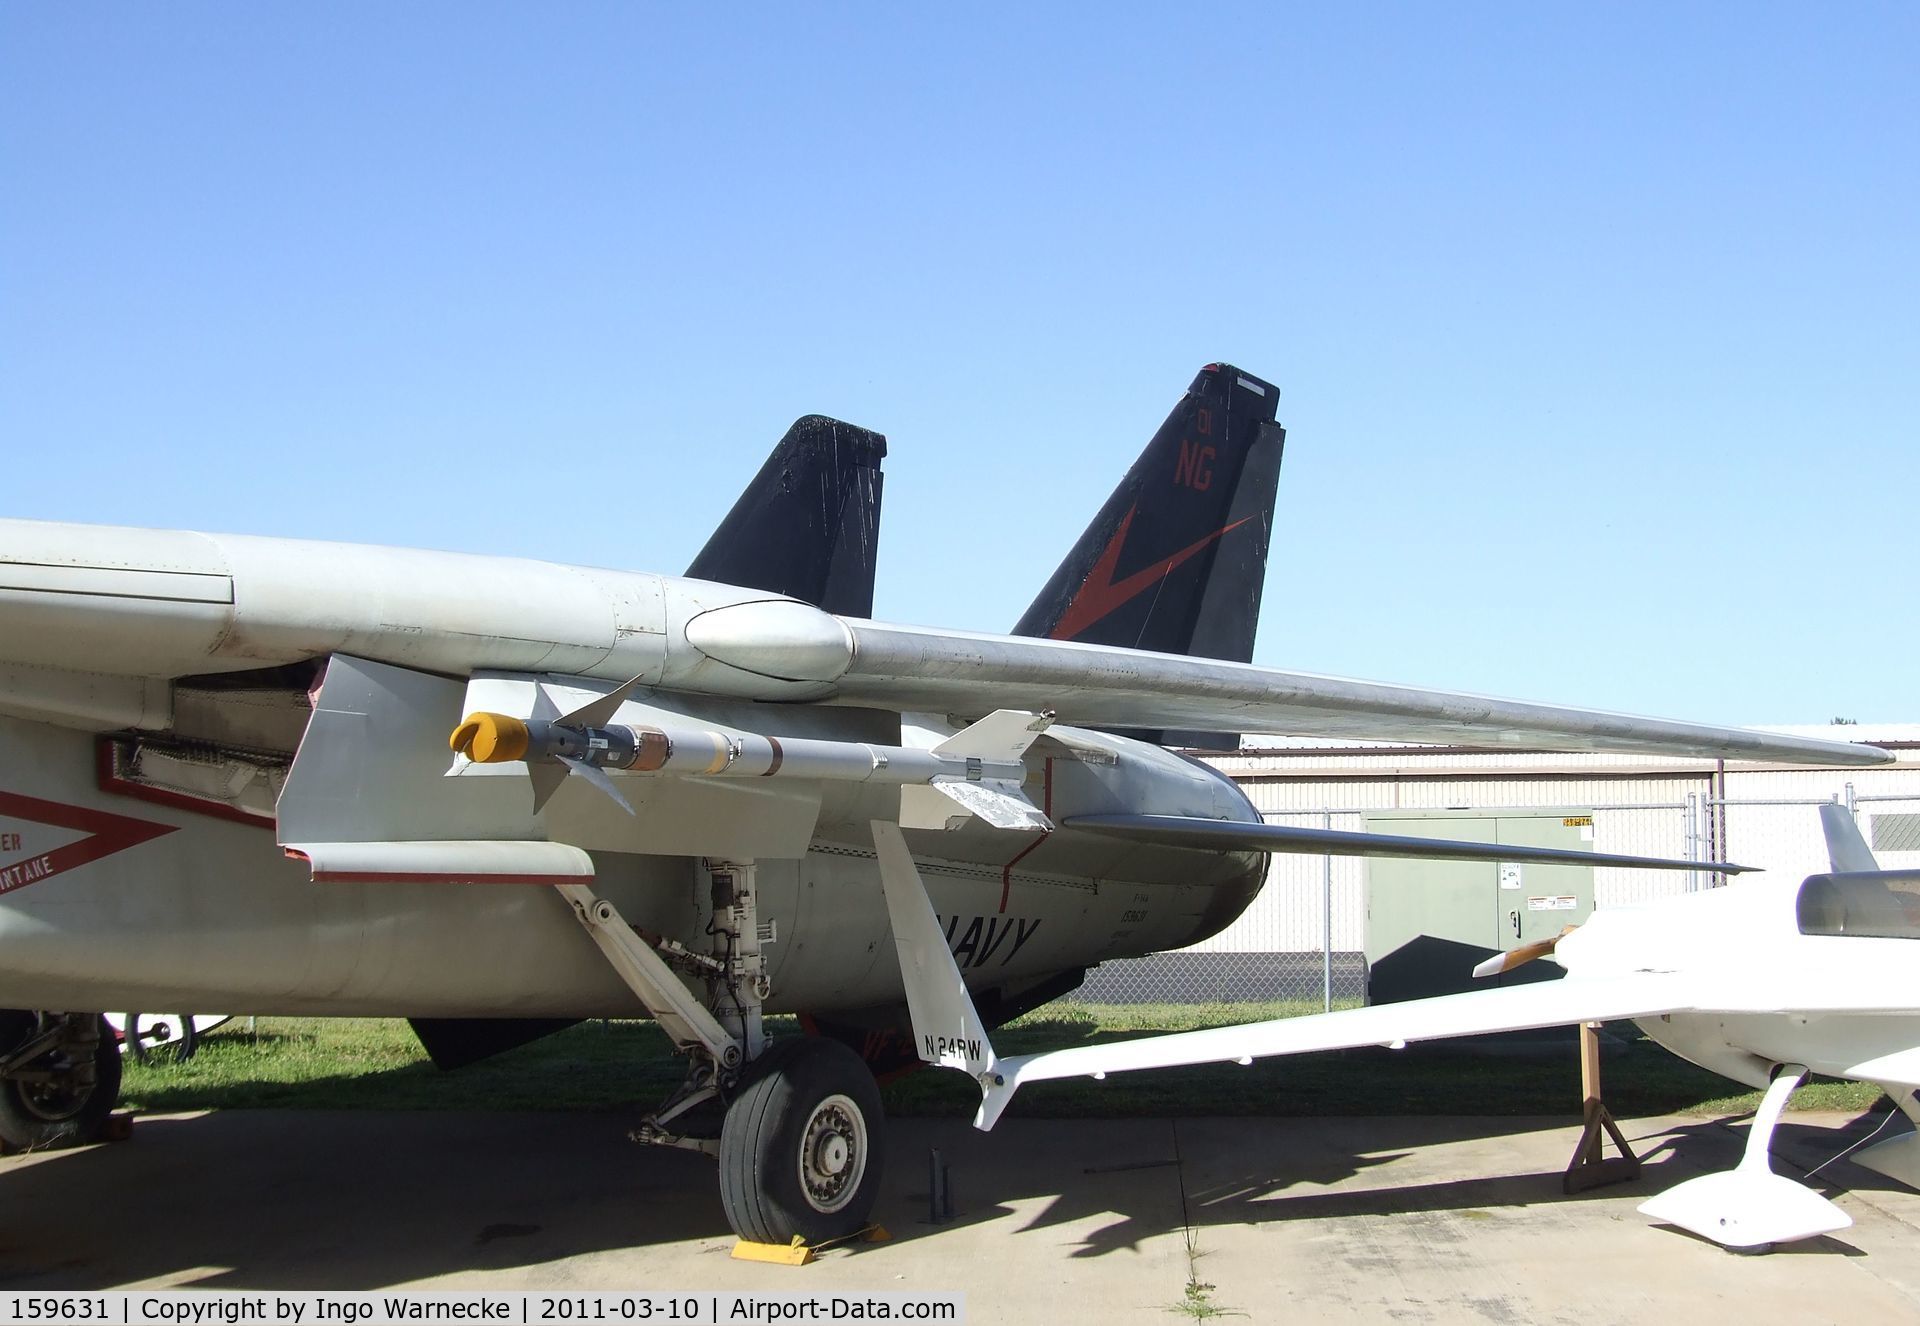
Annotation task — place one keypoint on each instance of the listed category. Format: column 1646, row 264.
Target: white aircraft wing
column 1511, row 1008
column 936, row 671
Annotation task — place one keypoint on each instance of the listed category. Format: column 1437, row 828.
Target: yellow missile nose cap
column 490, row 738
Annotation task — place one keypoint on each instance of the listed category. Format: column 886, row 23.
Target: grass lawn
column 366, row 1063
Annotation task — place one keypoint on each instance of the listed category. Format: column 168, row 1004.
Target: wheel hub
column 55, row 1087
column 833, row 1153
column 56, row 1101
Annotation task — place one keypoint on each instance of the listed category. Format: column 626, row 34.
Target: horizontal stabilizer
column 1237, row 835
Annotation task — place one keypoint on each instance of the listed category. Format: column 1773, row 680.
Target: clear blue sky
column 1596, row 327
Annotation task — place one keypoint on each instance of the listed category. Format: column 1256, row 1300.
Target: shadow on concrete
column 295, row 1199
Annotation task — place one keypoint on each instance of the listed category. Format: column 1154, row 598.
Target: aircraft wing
column 1101, row 686
column 1510, row 1008
column 1839, row 984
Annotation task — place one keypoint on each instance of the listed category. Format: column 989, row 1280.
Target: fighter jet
column 1759, row 982
column 493, row 795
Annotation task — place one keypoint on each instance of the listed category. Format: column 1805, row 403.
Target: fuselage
column 1840, row 1003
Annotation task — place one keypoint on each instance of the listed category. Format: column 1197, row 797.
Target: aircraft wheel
column 801, row 1147
column 162, row 1037
column 69, row 1091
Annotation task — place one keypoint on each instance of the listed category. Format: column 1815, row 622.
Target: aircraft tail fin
column 1175, row 559
column 1847, row 849
column 808, row 524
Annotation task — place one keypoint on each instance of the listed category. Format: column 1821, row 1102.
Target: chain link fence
column 1303, row 941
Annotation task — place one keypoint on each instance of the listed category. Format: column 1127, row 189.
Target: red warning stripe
column 107, row 833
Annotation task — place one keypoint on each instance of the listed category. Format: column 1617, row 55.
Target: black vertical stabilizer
column 1177, row 557
column 807, row 525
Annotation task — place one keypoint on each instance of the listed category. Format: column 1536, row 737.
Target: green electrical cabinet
column 1429, row 922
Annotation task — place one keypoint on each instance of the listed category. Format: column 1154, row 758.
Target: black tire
column 802, row 1146
column 41, row 1116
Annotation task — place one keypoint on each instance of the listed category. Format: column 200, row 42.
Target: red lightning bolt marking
column 1101, row 593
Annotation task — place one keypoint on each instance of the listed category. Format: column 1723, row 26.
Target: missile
column 979, row 769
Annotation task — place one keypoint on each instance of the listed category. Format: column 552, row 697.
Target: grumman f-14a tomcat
column 225, row 782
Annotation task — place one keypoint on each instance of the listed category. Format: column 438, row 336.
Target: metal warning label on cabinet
column 1560, row 903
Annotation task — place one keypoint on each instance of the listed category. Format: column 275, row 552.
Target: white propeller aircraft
column 224, row 783
column 1757, row 981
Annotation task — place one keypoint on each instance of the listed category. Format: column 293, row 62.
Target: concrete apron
column 1349, row 1219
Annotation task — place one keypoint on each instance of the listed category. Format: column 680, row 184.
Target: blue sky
column 1595, row 327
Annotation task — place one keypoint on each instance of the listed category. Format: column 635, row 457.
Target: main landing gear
column 795, row 1124
column 800, row 1147
column 59, row 1079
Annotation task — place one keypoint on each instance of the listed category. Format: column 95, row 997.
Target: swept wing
column 1101, row 686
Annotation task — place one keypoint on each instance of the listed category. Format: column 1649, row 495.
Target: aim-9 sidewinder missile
column 980, row 768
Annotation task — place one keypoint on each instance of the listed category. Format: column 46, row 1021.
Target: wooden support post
column 1591, row 1167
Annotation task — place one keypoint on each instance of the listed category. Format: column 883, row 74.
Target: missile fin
column 1002, row 736
column 598, row 713
column 547, row 778
column 598, row 778
column 998, row 801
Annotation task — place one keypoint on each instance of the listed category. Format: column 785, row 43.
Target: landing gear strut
column 59, row 1079
column 799, row 1138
